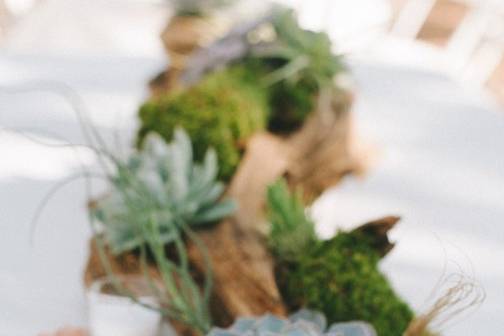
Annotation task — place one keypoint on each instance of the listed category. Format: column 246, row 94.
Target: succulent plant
column 303, row 323
column 301, row 53
column 301, row 64
column 160, row 183
column 339, row 276
column 291, row 231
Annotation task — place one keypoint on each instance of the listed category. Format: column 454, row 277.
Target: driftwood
column 315, row 158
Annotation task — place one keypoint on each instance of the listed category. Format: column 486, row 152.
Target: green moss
column 228, row 106
column 221, row 111
column 291, row 103
column 341, row 278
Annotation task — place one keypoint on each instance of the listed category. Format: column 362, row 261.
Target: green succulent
column 303, row 323
column 301, row 54
column 286, row 214
column 161, row 184
column 302, row 63
column 223, row 111
column 339, row 276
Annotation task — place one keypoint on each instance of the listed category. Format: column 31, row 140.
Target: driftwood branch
column 314, row 158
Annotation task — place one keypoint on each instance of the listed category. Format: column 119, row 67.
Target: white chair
column 4, row 18
column 475, row 48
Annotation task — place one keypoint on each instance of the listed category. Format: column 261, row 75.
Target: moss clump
column 291, row 102
column 339, row 277
column 221, row 111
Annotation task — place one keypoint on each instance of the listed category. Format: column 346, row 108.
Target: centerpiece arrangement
column 209, row 210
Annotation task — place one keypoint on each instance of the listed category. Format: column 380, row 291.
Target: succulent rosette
column 303, row 323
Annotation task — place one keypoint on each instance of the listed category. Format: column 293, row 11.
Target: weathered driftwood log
column 314, row 158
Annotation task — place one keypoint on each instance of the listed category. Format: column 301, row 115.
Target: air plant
column 302, row 67
column 158, row 196
column 177, row 294
column 302, row 54
column 302, row 323
column 456, row 294
column 161, row 183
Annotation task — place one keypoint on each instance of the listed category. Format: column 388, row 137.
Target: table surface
column 439, row 164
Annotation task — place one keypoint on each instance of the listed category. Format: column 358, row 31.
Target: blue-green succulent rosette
column 302, row 323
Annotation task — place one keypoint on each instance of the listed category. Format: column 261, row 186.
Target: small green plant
column 197, row 7
column 301, row 64
column 181, row 298
column 299, row 53
column 302, row 323
column 161, row 183
column 339, row 276
column 221, row 111
column 286, row 214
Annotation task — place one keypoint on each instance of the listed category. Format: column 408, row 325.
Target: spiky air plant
column 161, row 183
column 339, row 276
column 302, row 67
column 301, row 54
column 158, row 196
column 302, row 323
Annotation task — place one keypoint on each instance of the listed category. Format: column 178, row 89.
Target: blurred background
column 429, row 84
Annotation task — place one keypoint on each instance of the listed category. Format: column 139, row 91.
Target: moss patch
column 227, row 107
column 291, row 102
column 221, row 111
column 340, row 277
